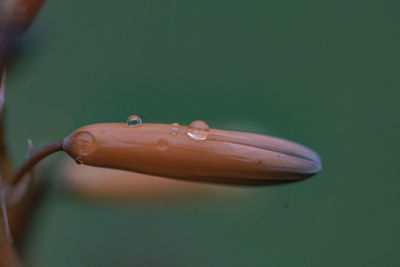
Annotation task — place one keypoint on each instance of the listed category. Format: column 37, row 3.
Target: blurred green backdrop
column 322, row 73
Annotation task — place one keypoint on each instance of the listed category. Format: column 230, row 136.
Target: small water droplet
column 134, row 120
column 175, row 127
column 102, row 131
column 162, row 144
column 198, row 130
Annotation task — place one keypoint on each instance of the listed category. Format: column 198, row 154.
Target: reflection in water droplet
column 162, row 144
column 175, row 127
column 198, row 130
column 134, row 120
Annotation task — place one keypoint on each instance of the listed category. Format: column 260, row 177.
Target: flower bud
column 194, row 153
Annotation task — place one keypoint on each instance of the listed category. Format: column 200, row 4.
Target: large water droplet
column 83, row 143
column 175, row 127
column 134, row 120
column 162, row 144
column 198, row 130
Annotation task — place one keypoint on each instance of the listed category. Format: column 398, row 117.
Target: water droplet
column 162, row 144
column 83, row 143
column 175, row 127
column 134, row 120
column 198, row 130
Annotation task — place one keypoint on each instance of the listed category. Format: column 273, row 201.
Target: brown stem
column 33, row 159
column 4, row 160
column 20, row 211
column 8, row 255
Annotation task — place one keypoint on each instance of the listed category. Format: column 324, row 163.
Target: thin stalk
column 4, row 160
column 8, row 254
column 34, row 158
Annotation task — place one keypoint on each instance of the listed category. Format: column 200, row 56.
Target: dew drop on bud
column 83, row 143
column 134, row 120
column 162, row 144
column 175, row 127
column 198, row 130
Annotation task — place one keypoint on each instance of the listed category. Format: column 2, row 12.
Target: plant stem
column 8, row 254
column 4, row 160
column 33, row 159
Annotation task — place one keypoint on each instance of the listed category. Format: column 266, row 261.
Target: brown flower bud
column 194, row 153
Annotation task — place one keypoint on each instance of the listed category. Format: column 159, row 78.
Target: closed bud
column 194, row 153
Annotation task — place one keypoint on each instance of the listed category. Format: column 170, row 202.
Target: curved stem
column 33, row 159
column 8, row 254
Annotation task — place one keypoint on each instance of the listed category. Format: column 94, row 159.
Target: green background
column 322, row 73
